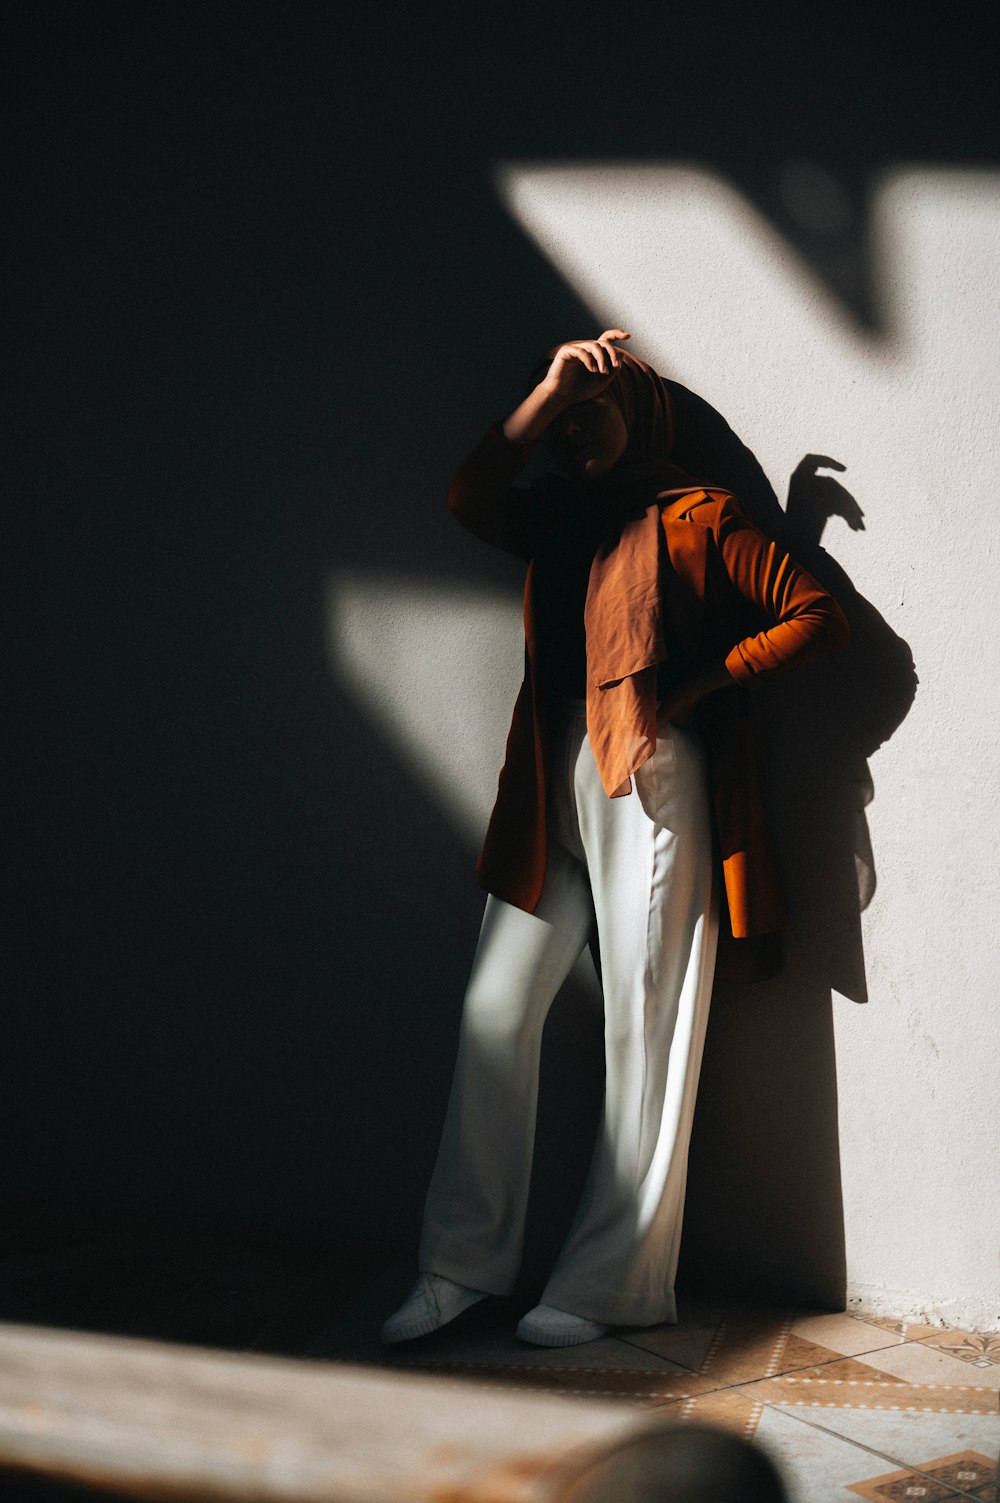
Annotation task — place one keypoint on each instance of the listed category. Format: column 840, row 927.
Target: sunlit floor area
column 849, row 1407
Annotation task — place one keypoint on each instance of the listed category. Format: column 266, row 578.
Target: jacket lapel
column 622, row 613
column 649, row 572
column 684, row 576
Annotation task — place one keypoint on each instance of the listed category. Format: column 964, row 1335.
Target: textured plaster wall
column 717, row 299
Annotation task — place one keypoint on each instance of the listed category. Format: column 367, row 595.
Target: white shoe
column 430, row 1304
column 547, row 1326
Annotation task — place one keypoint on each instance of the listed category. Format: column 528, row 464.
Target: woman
column 629, row 803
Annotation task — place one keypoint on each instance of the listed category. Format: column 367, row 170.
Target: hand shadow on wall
column 764, row 1210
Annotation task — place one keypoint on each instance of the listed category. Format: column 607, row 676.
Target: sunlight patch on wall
column 714, row 296
column 437, row 669
column 709, row 289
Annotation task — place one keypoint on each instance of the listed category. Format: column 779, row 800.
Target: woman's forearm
column 530, row 419
column 808, row 622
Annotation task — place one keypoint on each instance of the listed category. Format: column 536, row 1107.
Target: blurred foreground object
column 144, row 1419
column 680, row 1464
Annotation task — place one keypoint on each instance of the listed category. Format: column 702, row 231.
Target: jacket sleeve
column 484, row 499
column 808, row 622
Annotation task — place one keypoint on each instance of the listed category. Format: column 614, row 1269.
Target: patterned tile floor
column 848, row 1407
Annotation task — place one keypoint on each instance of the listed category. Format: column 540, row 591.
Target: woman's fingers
column 604, row 351
column 577, row 354
column 599, row 357
column 586, row 351
column 567, row 358
column 609, row 335
column 605, row 342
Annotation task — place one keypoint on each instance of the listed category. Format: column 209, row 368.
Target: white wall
column 714, row 297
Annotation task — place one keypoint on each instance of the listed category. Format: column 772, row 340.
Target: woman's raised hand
column 578, row 370
column 582, row 368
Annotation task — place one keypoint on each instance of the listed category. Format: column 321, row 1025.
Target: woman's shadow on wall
column 765, row 1208
column 764, row 1214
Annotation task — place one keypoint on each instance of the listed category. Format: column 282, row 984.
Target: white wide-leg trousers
column 642, row 866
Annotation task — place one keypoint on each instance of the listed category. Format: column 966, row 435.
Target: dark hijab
column 645, row 469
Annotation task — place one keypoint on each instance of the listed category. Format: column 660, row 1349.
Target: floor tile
column 903, row 1330
column 760, row 1345
column 881, row 1393
column 842, row 1333
column 739, row 1346
column 687, row 1342
column 919, row 1363
column 905, row 1439
column 652, row 1387
column 844, row 1371
column 736, row 1409
column 502, row 1348
column 608, row 1367
column 818, row 1465
column 979, row 1352
column 935, row 1481
column 799, row 1354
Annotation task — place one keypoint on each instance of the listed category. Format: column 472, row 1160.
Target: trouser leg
column 650, row 863
column 475, row 1209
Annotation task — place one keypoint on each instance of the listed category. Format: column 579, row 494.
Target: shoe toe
column 400, row 1328
column 547, row 1326
column 432, row 1303
column 416, row 1316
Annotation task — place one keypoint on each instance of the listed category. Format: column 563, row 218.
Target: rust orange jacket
column 689, row 571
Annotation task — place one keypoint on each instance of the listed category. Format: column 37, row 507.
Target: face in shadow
column 587, row 439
